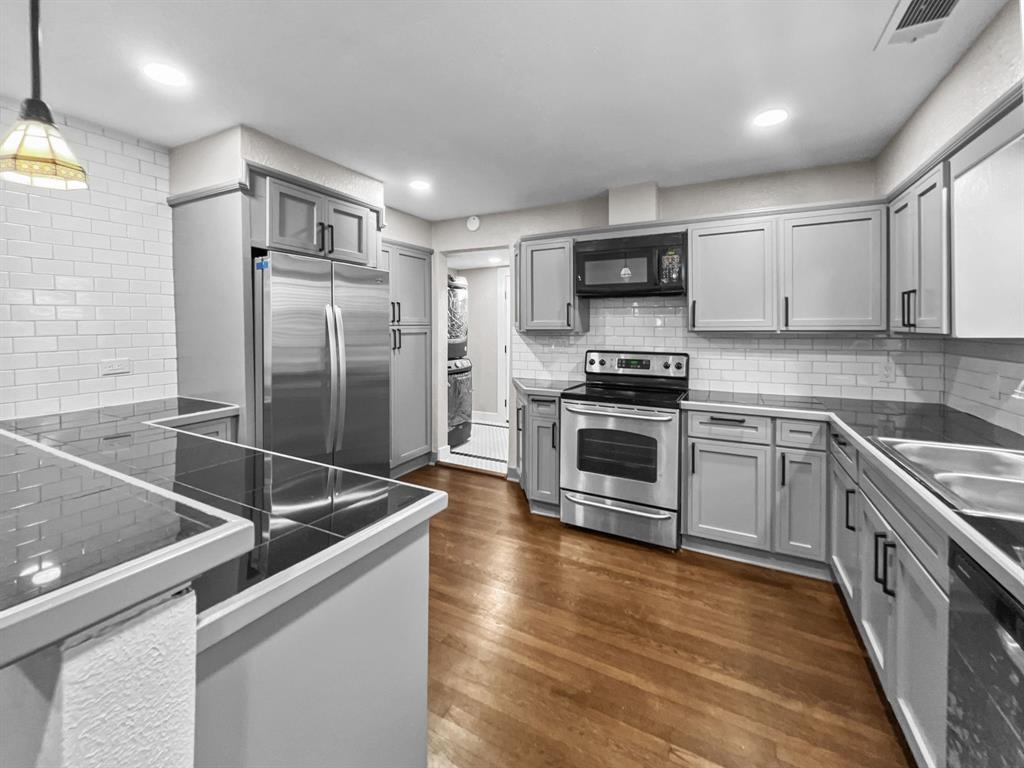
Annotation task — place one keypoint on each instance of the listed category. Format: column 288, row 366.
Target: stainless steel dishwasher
column 985, row 713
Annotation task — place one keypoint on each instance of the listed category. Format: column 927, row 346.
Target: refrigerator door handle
column 332, row 351
column 342, row 377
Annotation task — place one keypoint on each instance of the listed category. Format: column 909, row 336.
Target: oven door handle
column 612, row 508
column 618, row 414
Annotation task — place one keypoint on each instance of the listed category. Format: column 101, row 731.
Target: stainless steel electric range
column 621, row 441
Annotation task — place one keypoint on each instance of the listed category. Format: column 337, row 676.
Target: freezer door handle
column 342, row 377
column 332, row 353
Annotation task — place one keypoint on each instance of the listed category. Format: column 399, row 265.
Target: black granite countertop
column 544, row 386
column 881, row 418
column 297, row 508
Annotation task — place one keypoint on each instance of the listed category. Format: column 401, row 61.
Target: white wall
column 484, row 290
column 980, row 375
column 989, row 69
column 86, row 276
column 407, row 228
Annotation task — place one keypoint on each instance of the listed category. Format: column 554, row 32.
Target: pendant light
column 34, row 152
column 625, row 273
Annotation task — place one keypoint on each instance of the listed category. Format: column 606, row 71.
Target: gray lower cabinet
column 845, row 540
column 542, row 450
column 410, row 285
column 521, row 433
column 920, row 659
column 799, row 515
column 410, row 393
column 547, row 299
column 876, row 594
column 729, row 492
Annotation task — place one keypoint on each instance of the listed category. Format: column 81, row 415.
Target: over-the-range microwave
column 631, row 266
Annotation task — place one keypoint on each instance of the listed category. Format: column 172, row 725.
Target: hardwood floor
column 550, row 646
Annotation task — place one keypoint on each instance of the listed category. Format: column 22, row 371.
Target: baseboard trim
column 794, row 565
column 409, row 466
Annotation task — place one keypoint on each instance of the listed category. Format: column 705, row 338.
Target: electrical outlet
column 115, row 367
column 888, row 374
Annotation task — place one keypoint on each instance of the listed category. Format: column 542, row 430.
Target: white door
column 729, row 492
column 845, row 542
column 732, row 276
column 833, row 270
column 504, row 340
column 800, row 504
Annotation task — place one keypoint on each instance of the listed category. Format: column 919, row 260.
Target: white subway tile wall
column 853, row 367
column 980, row 377
column 86, row 276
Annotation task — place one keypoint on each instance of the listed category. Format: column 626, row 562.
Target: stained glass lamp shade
column 35, row 153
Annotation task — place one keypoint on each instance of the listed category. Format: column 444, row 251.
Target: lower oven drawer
column 631, row 521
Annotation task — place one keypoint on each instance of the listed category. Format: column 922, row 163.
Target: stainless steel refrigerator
column 322, row 361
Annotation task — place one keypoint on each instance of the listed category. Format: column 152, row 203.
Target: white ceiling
column 502, row 105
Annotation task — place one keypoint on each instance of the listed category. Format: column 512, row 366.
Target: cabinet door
column 832, row 271
column 410, row 394
column 729, row 490
column 876, row 605
column 922, row 633
column 930, row 305
column 351, row 233
column 522, row 457
column 542, row 436
column 294, row 218
column 410, row 285
column 902, row 258
column 546, row 289
column 384, row 256
column 986, row 199
column 845, row 540
column 732, row 276
column 799, row 515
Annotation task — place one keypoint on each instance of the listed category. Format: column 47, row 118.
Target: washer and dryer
column 460, row 368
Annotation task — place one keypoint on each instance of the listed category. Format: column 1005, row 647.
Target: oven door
column 619, row 452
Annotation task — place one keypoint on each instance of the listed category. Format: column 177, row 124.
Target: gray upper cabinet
column 410, row 285
column 542, row 450
column 833, row 270
column 729, row 492
column 547, row 299
column 845, row 549
column 732, row 276
column 294, row 218
column 410, row 393
column 799, row 517
column 384, row 256
column 351, row 233
column 986, row 200
column 919, row 257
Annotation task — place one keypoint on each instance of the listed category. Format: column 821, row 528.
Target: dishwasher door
column 985, row 713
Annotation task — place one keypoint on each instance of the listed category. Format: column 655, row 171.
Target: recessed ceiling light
column 420, row 185
column 165, row 74
column 770, row 117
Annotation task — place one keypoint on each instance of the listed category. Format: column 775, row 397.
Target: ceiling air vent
column 913, row 19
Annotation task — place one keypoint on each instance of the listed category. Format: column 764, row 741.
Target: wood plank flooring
column 550, row 646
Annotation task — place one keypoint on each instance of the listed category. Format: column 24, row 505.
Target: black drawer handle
column 878, row 537
column 726, row 420
column 554, row 445
column 839, row 441
column 785, row 304
column 782, row 456
column 568, row 314
column 885, row 568
column 849, row 495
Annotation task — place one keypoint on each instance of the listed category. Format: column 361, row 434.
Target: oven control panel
column 674, row 365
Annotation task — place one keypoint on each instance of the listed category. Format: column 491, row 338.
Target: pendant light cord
column 34, row 23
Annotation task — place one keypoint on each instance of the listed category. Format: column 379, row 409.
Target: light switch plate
column 115, row 367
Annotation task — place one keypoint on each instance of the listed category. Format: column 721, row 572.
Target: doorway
column 478, row 360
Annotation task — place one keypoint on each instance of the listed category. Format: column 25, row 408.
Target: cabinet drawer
column 801, row 434
column 928, row 544
column 842, row 452
column 731, row 426
column 544, row 407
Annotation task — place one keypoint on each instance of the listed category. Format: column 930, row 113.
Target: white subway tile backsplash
column 77, row 272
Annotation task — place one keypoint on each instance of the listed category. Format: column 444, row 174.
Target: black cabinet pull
column 785, row 306
column 568, row 314
column 330, row 232
column 399, row 305
column 392, row 311
column 693, row 306
column 693, row 459
column 849, row 495
column 911, row 295
column 783, row 457
column 320, row 236
column 885, row 568
column 554, row 445
column 903, row 309
column 399, row 337
column 394, row 342
column 878, row 537
column 839, row 441
column 519, row 420
column 726, row 420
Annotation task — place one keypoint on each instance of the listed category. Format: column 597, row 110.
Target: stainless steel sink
column 985, row 482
